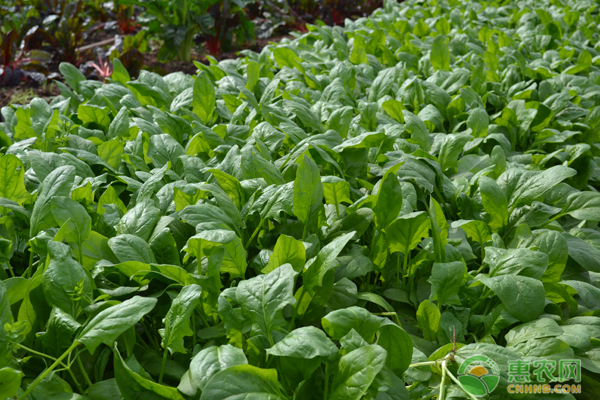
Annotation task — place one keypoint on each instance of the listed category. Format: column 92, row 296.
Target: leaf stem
column 142, row 343
column 442, row 383
column 30, row 267
column 19, row 345
column 150, row 338
column 482, row 254
column 80, row 252
column 254, row 234
column 162, row 366
column 48, row 371
column 422, row 364
column 405, row 268
column 27, row 349
column 296, row 313
column 204, row 319
column 86, row 377
column 194, row 329
column 305, row 230
column 554, row 218
column 458, row 383
column 10, row 269
column 398, row 270
column 325, row 392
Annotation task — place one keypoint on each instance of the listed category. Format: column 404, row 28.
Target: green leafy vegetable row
column 348, row 215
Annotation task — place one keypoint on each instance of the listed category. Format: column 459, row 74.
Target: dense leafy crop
column 349, row 215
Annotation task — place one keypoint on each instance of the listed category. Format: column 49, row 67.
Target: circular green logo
column 479, row 375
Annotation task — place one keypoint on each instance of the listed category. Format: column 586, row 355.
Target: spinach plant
column 351, row 214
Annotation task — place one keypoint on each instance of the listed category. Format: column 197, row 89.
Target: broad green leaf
column 6, row 316
column 256, row 166
column 586, row 255
column 439, row 230
column 112, row 152
column 307, row 342
column 231, row 186
column 140, row 220
column 316, row 269
column 440, row 55
column 120, row 73
column 584, row 206
column 407, row 231
column 110, row 197
column 537, row 329
column 12, row 176
column 60, row 329
column 131, row 248
column 177, row 320
column 398, row 344
column 287, row 250
column 208, row 362
column 308, row 118
column 394, row 109
column 72, row 75
column 446, row 280
column 475, row 230
column 587, row 292
column 79, row 223
column 389, row 201
column 451, row 149
column 417, row 129
column 494, row 203
column 134, row 386
column 66, row 284
column 520, row 262
column 339, row 323
column 57, row 183
column 109, row 324
column 308, row 193
column 93, row 116
column 119, row 127
column 252, row 70
column 204, row 101
column 263, row 298
column 286, row 57
column 163, row 149
column 208, row 216
column 538, row 184
column 356, row 371
column 428, row 317
column 555, row 246
column 479, row 122
column 243, row 382
column 523, row 296
column 336, row 190
column 142, row 273
column 10, row 381
column 359, row 53
column 234, row 260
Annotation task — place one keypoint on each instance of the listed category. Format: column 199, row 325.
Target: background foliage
column 36, row 35
column 314, row 221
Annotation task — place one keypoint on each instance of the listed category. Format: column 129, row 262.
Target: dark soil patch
column 153, row 64
column 97, row 35
column 24, row 92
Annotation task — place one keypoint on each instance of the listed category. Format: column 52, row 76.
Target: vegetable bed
column 348, row 215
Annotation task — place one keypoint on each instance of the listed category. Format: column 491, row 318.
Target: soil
column 153, row 64
column 24, row 92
